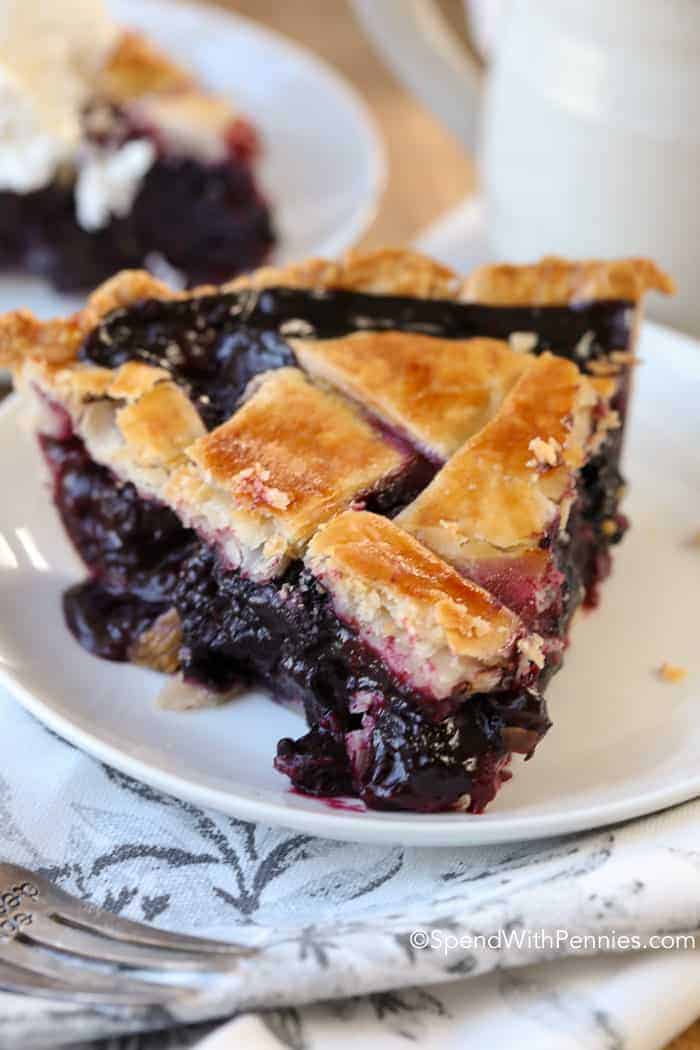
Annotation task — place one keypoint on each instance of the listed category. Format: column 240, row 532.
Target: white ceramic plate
column 623, row 743
column 323, row 167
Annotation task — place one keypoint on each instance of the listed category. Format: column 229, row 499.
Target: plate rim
column 390, row 828
column 395, row 829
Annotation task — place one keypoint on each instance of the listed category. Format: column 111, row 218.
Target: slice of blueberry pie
column 106, row 145
column 376, row 489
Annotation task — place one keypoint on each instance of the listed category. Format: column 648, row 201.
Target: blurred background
column 418, row 191
column 581, row 116
column 586, row 124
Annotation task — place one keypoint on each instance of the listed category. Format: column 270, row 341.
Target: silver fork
column 53, row 945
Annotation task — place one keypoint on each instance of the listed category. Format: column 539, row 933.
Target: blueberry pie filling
column 372, row 488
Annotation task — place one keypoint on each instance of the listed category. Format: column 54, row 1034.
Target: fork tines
column 52, row 944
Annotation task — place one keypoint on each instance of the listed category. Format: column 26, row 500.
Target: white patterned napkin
column 335, row 920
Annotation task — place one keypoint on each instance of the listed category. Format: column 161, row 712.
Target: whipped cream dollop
column 50, row 54
column 108, row 181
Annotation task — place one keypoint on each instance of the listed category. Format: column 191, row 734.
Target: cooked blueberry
column 317, row 763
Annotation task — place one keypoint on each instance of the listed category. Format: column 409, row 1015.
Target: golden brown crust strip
column 387, row 271
column 504, row 487
column 136, row 67
column 437, row 392
column 556, row 281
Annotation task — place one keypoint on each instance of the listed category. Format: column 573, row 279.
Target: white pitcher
column 587, row 126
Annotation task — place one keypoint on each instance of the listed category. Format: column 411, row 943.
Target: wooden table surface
column 417, row 191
